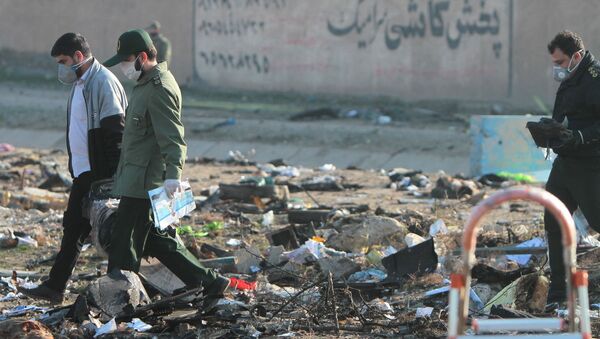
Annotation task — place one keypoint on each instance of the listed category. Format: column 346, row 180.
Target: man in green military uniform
column 162, row 44
column 152, row 155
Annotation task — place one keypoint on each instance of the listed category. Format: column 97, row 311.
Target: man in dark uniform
column 153, row 155
column 162, row 44
column 575, row 175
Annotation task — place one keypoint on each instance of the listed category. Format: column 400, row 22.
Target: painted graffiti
column 227, row 19
column 374, row 46
column 370, row 19
column 240, row 17
column 208, row 5
column 239, row 61
column 231, row 27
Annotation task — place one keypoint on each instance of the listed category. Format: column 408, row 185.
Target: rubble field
column 312, row 252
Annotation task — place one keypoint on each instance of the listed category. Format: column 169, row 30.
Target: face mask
column 68, row 74
column 128, row 68
column 560, row 73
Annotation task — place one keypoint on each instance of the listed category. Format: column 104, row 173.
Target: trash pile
column 310, row 251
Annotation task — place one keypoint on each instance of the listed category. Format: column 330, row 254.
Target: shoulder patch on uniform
column 156, row 80
column 594, row 71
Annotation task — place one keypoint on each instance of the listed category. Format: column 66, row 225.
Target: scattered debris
column 267, row 219
column 583, row 235
column 370, row 275
column 19, row 328
column 305, row 252
column 248, row 192
column 274, row 171
column 6, row 148
column 21, row 310
column 408, row 180
column 527, row 293
column 412, row 239
column 325, row 183
column 316, row 216
column 327, row 168
column 275, row 255
column 438, row 227
column 16, row 239
column 36, row 198
column 109, row 327
column 340, row 268
column 138, row 325
column 112, row 294
column 523, row 259
column 454, row 188
column 356, row 234
column 239, row 157
column 424, row 312
column 291, row 236
column 420, row 258
column 532, row 293
column 285, row 237
column 248, row 260
column 159, row 276
column 233, row 242
column 487, row 274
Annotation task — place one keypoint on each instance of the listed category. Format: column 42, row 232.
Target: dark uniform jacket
column 578, row 100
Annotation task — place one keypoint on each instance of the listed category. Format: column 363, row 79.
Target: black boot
column 43, row 292
column 213, row 292
column 557, row 296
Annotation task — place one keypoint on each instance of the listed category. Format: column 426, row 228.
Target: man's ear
column 78, row 57
column 143, row 57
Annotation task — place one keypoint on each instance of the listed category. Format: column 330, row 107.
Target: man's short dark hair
column 152, row 53
column 69, row 43
column 568, row 42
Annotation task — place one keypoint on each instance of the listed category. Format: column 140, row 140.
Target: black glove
column 569, row 139
column 548, row 132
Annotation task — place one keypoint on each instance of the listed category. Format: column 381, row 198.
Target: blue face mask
column 560, row 74
column 68, row 74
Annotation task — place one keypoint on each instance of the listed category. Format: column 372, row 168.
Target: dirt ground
column 412, row 131
column 368, row 188
column 31, row 98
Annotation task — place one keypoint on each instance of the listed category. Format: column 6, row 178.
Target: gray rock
column 276, row 255
column 111, row 295
column 371, row 230
column 339, row 267
column 248, row 259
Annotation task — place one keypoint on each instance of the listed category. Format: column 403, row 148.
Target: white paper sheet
column 168, row 211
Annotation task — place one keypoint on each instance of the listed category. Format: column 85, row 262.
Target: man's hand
column 569, row 139
column 547, row 132
column 171, row 186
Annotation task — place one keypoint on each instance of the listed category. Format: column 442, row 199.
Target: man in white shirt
column 80, row 161
column 95, row 121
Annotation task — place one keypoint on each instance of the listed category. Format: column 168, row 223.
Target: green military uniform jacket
column 163, row 48
column 153, row 147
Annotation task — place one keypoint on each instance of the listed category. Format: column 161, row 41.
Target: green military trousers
column 134, row 236
column 576, row 182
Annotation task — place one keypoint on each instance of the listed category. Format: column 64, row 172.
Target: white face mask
column 128, row 68
column 560, row 74
column 68, row 74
